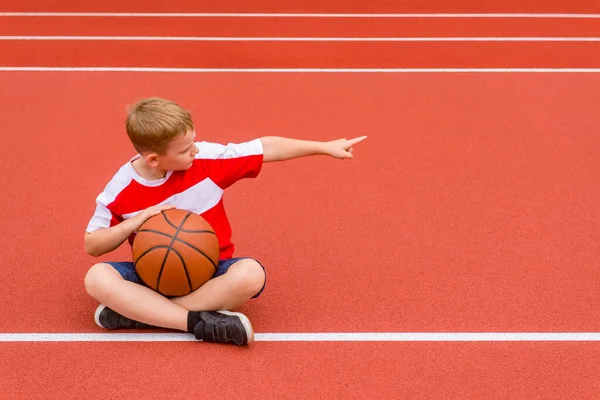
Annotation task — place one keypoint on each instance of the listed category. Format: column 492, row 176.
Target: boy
column 173, row 170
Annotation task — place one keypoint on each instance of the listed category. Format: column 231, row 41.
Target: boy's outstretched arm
column 280, row 149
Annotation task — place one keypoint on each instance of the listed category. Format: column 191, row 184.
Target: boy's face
column 179, row 154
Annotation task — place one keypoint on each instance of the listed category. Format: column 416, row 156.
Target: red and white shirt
column 198, row 189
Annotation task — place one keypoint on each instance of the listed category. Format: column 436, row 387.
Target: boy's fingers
column 357, row 140
column 154, row 210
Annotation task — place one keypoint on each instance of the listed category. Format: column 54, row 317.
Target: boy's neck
column 147, row 172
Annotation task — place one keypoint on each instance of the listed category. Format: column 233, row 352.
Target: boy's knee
column 98, row 278
column 249, row 275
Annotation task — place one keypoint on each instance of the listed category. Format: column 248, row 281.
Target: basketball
column 175, row 252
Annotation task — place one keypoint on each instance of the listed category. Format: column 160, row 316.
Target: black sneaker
column 109, row 319
column 224, row 327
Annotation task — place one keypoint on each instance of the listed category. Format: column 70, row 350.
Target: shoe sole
column 99, row 310
column 245, row 321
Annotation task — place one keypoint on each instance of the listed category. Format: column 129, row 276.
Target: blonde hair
column 153, row 122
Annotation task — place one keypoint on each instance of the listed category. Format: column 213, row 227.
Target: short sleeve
column 100, row 219
column 103, row 216
column 227, row 164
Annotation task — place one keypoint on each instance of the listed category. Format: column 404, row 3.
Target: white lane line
column 298, row 15
column 300, row 70
column 315, row 337
column 302, row 39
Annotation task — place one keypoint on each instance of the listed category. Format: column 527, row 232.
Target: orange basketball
column 175, row 252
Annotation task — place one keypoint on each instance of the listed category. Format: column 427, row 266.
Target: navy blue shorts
column 127, row 271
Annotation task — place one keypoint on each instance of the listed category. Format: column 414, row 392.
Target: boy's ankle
column 192, row 320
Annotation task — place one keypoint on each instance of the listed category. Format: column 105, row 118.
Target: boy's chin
column 185, row 167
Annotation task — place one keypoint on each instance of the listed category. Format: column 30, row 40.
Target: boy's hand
column 342, row 148
column 134, row 223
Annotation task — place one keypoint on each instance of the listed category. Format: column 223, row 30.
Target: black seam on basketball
column 172, row 224
column 184, row 268
column 160, row 246
column 183, row 242
column 162, row 267
column 197, row 231
column 183, row 229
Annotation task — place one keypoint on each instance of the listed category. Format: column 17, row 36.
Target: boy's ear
column 152, row 159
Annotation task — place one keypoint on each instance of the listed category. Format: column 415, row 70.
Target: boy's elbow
column 93, row 252
column 89, row 246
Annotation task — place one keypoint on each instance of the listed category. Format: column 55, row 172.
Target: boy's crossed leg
column 127, row 303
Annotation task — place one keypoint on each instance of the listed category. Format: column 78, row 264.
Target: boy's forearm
column 279, row 148
column 106, row 240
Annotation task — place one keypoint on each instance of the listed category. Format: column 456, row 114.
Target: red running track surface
column 471, row 207
column 299, row 54
column 311, row 6
column 311, row 54
column 301, row 370
column 298, row 27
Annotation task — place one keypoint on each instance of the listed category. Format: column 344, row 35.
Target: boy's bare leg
column 244, row 279
column 134, row 301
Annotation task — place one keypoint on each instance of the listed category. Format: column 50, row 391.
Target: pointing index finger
column 357, row 140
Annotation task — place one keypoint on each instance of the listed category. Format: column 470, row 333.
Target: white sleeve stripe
column 114, row 187
column 100, row 220
column 198, row 199
column 232, row 150
column 102, row 215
